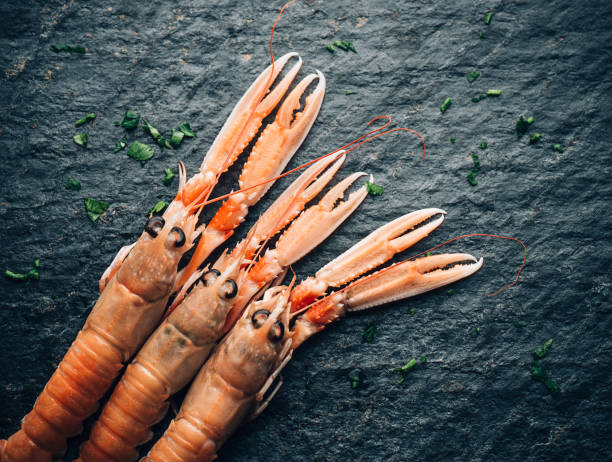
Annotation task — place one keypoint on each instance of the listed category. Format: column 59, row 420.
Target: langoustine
column 136, row 287
column 238, row 381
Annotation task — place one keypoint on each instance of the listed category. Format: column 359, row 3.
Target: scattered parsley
column 355, row 378
column 177, row 138
column 158, row 208
column 186, row 129
column 478, row 98
column 85, row 119
column 428, row 254
column 557, row 147
column 477, row 331
column 423, row 359
column 130, row 119
column 374, row 189
column 32, row 274
column 472, row 76
column 169, row 176
column 475, row 169
column 402, row 371
column 533, row 139
column 483, row 145
column 540, row 374
column 121, row 144
column 523, row 125
column 450, row 291
column 488, row 20
column 157, row 136
column 453, row 139
column 73, row 184
column 368, row 334
column 95, row 208
column 80, row 139
column 330, row 48
column 543, row 350
column 343, row 45
column 493, row 92
column 481, row 34
column 65, row 47
column 445, row 105
column 350, row 92
column 412, row 311
column 517, row 324
column 140, row 151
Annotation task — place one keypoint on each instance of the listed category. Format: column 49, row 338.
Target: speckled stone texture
column 474, row 400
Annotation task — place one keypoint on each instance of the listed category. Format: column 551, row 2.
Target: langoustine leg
column 231, row 386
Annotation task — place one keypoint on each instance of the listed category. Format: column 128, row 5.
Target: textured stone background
column 475, row 399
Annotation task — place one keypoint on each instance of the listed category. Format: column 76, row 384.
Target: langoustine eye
column 154, row 226
column 259, row 318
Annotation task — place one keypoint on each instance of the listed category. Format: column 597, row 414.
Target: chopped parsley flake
column 186, row 129
column 533, row 139
column 450, row 291
column 453, row 139
column 130, row 119
column 523, row 125
column 85, row 119
column 65, row 47
column 121, row 144
column 169, row 176
column 540, row 374
column 140, row 151
column 478, row 98
column 350, row 92
column 344, row 45
column 32, row 274
column 483, row 145
column 474, row 172
column 330, row 48
column 95, row 208
column 481, row 34
column 158, row 208
column 412, row 311
column 73, row 184
column 177, row 138
column 368, row 334
column 355, row 378
column 472, row 76
column 445, row 105
column 80, row 139
column 157, row 136
column 493, row 92
column 402, row 371
column 374, row 189
column 543, row 350
column 557, row 147
column 423, row 359
column 488, row 20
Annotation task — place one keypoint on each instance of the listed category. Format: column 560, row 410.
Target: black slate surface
column 474, row 399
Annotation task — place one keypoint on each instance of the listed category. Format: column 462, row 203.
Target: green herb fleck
column 404, row 369
column 493, row 92
column 186, row 129
column 85, row 119
column 140, row 151
column 121, row 144
column 472, row 76
column 483, row 145
column 177, row 138
column 169, row 176
column 32, row 274
column 350, row 92
column 450, row 291
column 557, row 147
column 445, row 105
column 488, row 20
column 80, row 139
column 374, row 189
column 481, row 34
column 518, row 324
column 343, row 45
column 330, row 48
column 522, row 125
column 543, row 350
column 423, row 359
column 472, row 178
column 157, row 136
column 368, row 334
column 533, row 139
column 73, row 184
column 158, row 208
column 453, row 139
column 95, row 208
column 475, row 169
column 428, row 254
column 477, row 331
column 355, row 378
column 540, row 374
column 478, row 98
column 65, row 47
column 412, row 311
column 130, row 119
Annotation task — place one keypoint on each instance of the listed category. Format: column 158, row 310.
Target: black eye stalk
column 259, row 318
column 154, row 226
column 180, row 237
column 230, row 289
column 277, row 331
column 210, row 276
